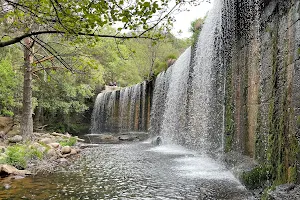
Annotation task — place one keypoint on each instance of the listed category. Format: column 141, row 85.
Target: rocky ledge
column 42, row 153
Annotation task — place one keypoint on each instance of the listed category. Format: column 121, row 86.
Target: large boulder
column 15, row 139
column 6, row 170
column 66, row 150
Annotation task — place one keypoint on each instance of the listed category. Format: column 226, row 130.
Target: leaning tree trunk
column 26, row 121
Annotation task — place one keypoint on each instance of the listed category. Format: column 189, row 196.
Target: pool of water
column 133, row 171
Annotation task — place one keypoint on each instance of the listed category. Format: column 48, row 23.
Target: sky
column 184, row 19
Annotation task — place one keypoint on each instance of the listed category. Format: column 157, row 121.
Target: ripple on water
column 133, row 171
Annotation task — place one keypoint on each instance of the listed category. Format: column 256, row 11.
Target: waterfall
column 176, row 98
column 188, row 98
column 121, row 111
column 158, row 104
column 206, row 103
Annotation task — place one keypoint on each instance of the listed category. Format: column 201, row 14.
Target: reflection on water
column 132, row 171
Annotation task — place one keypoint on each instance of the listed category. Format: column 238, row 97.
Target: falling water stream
column 187, row 112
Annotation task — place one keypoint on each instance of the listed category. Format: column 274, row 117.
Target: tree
column 27, row 20
column 26, row 121
column 196, row 27
column 87, row 18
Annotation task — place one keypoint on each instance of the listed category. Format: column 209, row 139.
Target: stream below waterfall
column 133, row 171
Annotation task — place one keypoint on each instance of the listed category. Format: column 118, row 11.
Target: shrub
column 18, row 155
column 68, row 142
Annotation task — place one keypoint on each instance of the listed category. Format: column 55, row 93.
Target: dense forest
column 62, row 90
column 67, row 71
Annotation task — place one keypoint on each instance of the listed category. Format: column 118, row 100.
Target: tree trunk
column 26, row 121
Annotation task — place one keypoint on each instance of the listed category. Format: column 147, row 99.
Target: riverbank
column 43, row 153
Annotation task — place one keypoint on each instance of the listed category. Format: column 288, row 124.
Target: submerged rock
column 15, row 139
column 124, row 138
column 128, row 137
column 157, row 141
column 107, row 138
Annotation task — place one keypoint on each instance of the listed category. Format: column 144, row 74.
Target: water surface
column 133, row 171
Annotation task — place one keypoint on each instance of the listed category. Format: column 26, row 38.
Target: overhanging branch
column 18, row 39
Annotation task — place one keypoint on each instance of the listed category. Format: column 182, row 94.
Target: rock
column 17, row 177
column 15, row 139
column 37, row 134
column 53, row 158
column 54, row 145
column 157, row 141
column 23, row 172
column 46, row 140
column 6, row 186
column 68, row 134
column 51, row 153
column 79, row 139
column 6, row 170
column 107, row 137
column 42, row 149
column 57, row 134
column 127, row 137
column 66, row 150
column 84, row 146
column 2, row 149
column 63, row 160
column 73, row 151
column 6, row 124
column 124, row 137
column 78, row 150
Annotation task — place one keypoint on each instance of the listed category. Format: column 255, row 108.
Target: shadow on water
column 133, row 171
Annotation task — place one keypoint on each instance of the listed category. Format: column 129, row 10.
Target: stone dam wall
column 256, row 84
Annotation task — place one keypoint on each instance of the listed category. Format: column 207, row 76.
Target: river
column 133, row 171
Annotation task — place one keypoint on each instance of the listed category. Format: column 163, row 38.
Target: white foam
column 172, row 149
column 202, row 167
